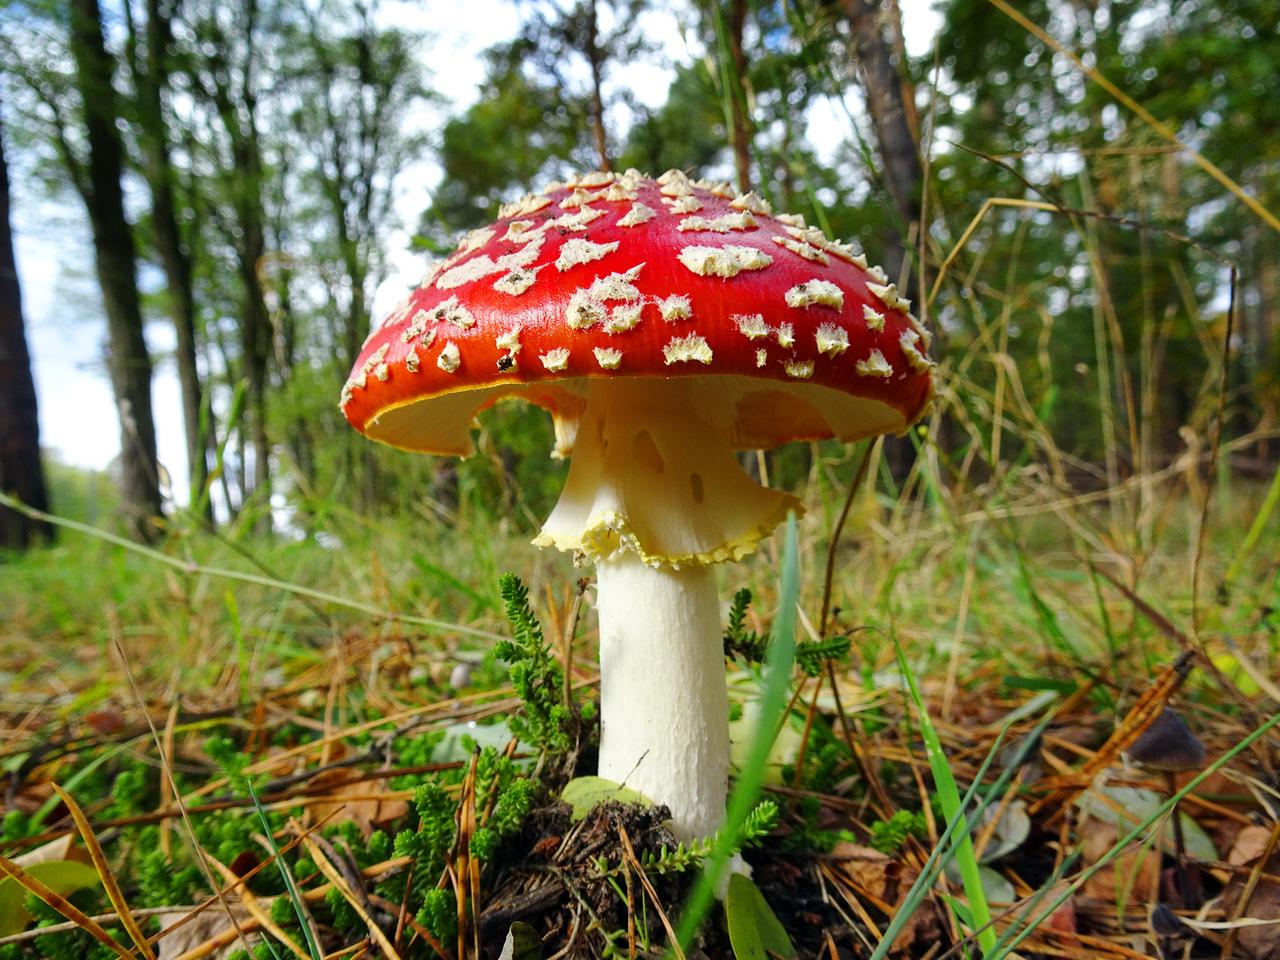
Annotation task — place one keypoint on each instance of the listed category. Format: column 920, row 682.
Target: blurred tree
column 524, row 127
column 148, row 55
column 687, row 132
column 354, row 88
column 98, row 179
column 21, row 470
column 1114, row 330
column 357, row 87
column 874, row 37
column 224, row 68
column 58, row 53
column 557, row 38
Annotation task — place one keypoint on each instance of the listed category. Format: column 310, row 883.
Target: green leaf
column 64, row 877
column 754, row 930
column 522, row 943
column 1139, row 805
column 584, row 794
column 1011, row 832
column 998, row 890
column 460, row 738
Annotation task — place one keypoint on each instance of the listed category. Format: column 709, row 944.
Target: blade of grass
column 746, row 788
column 943, row 851
column 1251, row 538
column 291, row 888
column 949, row 795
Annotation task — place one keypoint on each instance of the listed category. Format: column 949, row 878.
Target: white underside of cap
column 653, row 474
column 762, row 413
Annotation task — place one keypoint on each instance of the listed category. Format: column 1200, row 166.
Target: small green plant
column 14, row 826
column 230, row 760
column 753, row 647
column 888, row 836
column 545, row 720
column 738, row 640
column 439, row 914
column 757, row 825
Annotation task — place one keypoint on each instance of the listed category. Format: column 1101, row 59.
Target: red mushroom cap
column 624, row 276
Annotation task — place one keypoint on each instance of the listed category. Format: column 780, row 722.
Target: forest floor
column 326, row 722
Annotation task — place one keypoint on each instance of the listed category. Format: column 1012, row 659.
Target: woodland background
column 308, row 629
column 239, row 167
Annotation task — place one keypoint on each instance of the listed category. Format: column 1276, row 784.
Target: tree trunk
column 741, row 132
column 239, row 118
column 595, row 58
column 127, row 358
column 151, row 81
column 890, row 118
column 900, row 166
column 21, row 472
column 255, row 346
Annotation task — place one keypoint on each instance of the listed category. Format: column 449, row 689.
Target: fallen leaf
column 886, row 879
column 584, row 794
column 1130, row 806
column 1250, row 844
column 522, row 943
column 65, row 847
column 1260, row 939
column 869, row 869
column 350, row 799
column 210, row 924
column 1135, row 872
column 1011, row 831
column 105, row 722
column 63, row 877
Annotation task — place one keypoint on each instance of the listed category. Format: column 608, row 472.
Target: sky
column 66, row 331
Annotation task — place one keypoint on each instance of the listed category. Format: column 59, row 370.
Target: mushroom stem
column 664, row 711
column 655, row 495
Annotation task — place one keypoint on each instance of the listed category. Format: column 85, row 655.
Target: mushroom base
column 664, row 711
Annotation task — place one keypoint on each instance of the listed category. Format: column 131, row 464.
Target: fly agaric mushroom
column 665, row 324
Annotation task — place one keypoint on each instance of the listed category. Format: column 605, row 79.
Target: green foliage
column 429, row 845
column 807, row 833
column 130, row 791
column 755, row 827
column 344, row 915
column 439, row 914
column 498, row 783
column 158, row 879
column 753, row 647
column 738, row 640
column 544, row 720
column 230, row 760
column 14, row 825
column 812, row 655
column 888, row 836
column 823, row 760
column 508, row 815
column 71, row 944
